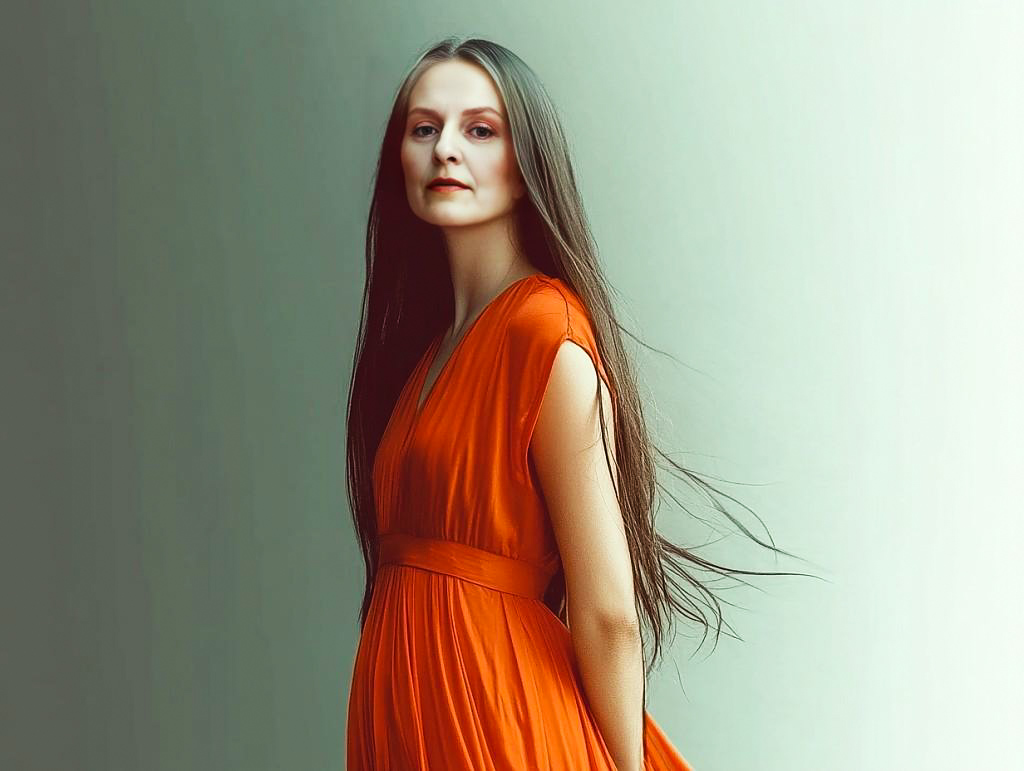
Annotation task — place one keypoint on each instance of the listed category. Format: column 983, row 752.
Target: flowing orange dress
column 460, row 665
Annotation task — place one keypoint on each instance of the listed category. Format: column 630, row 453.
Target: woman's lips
column 445, row 188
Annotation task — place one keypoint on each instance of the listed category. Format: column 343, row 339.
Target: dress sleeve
column 546, row 318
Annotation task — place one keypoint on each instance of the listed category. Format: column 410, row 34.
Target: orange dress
column 460, row 665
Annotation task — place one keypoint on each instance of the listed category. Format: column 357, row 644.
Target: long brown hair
column 407, row 271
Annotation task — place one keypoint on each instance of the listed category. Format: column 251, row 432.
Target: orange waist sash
column 486, row 568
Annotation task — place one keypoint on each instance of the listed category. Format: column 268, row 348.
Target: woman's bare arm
column 569, row 456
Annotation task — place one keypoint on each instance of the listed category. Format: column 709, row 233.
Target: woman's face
column 442, row 139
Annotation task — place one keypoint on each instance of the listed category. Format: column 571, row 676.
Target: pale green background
column 815, row 207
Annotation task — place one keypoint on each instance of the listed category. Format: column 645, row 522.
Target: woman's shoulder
column 550, row 314
column 551, row 306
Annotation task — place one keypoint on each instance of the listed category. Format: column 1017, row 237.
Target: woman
column 499, row 471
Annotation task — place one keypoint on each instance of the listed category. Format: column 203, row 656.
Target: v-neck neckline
column 431, row 355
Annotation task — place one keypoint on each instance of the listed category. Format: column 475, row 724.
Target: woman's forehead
column 457, row 87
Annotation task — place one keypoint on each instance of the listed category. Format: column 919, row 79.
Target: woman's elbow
column 615, row 626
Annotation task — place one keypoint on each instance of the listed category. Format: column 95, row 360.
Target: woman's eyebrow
column 470, row 111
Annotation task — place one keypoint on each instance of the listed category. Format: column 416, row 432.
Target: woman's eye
column 490, row 132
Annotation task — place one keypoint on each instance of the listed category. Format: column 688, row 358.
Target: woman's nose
column 447, row 146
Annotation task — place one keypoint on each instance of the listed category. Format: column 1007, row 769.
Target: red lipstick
column 446, row 184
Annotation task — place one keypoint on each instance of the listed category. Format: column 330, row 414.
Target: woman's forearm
column 610, row 658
